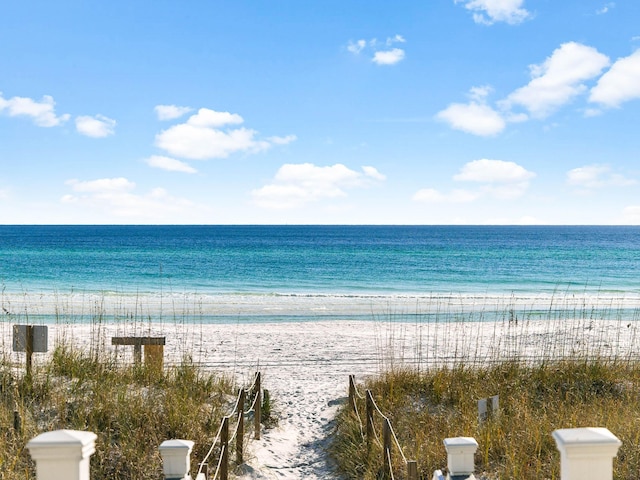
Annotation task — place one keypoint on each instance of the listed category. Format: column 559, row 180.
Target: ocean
column 301, row 273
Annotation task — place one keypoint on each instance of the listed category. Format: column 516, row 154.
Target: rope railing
column 389, row 437
column 223, row 438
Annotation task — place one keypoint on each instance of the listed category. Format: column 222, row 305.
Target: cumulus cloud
column 499, row 179
column 474, row 117
column 295, row 185
column 116, row 197
column 388, row 57
column 169, row 164
column 170, row 112
column 620, row 84
column 42, row 113
column 98, row 126
column 596, row 176
column 493, row 171
column 210, row 134
column 558, row 80
column 381, row 52
column 488, row 12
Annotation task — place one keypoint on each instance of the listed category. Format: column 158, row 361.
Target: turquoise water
column 302, row 272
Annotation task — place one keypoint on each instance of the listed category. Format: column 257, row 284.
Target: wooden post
column 240, row 434
column 224, row 449
column 29, row 349
column 586, row 453
column 62, row 454
column 386, row 447
column 412, row 470
column 257, row 418
column 369, row 420
column 352, row 393
column 17, row 422
column 137, row 353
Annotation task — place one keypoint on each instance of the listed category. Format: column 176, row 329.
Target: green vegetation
column 132, row 409
column 427, row 406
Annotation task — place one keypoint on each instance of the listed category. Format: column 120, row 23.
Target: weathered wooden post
column 240, row 434
column 369, row 420
column 30, row 339
column 176, row 461
column 224, row 449
column 412, row 470
column 352, row 393
column 386, row 447
column 257, row 419
column 29, row 349
column 460, row 455
column 586, row 453
column 62, row 454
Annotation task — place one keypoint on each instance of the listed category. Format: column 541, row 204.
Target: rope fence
column 224, row 441
column 389, row 437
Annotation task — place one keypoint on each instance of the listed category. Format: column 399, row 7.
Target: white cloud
column 596, row 176
column 202, row 137
column 499, row 179
column 282, row 140
column 117, row 184
column 96, row 127
column 605, row 8
column 210, row 118
column 493, row 171
column 382, row 54
column 169, row 164
column 295, row 185
column 388, row 57
column 356, row 47
column 488, row 12
column 115, row 197
column 620, row 84
column 558, row 80
column 170, row 112
column 42, row 113
column 476, row 118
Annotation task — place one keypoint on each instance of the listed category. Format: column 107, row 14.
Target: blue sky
column 327, row 112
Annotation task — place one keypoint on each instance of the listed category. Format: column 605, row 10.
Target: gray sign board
column 40, row 338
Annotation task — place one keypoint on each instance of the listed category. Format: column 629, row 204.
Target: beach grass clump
column 425, row 407
column 131, row 408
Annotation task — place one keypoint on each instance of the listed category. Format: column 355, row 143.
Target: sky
column 320, row 112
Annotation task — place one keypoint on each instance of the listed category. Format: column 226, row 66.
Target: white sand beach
column 305, row 365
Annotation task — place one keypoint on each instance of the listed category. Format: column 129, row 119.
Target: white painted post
column 62, row 454
column 586, row 453
column 176, row 459
column 460, row 452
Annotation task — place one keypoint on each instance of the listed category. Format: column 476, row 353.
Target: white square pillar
column 62, row 454
column 460, row 453
column 586, row 453
column 176, row 459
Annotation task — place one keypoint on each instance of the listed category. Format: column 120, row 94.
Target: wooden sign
column 21, row 338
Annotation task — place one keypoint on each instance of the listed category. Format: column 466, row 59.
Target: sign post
column 30, row 339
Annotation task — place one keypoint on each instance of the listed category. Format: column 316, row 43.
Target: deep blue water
column 320, row 260
column 327, row 259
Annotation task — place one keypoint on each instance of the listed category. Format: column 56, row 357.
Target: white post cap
column 62, row 454
column 176, row 461
column 586, row 453
column 460, row 453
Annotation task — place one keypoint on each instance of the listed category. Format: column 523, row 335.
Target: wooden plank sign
column 40, row 338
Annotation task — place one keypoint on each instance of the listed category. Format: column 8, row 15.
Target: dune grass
column 427, row 406
column 131, row 408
